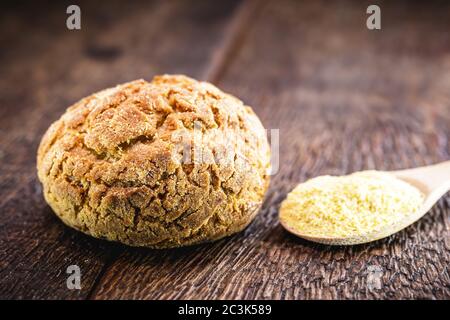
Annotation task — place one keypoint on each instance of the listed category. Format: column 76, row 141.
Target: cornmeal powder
column 345, row 206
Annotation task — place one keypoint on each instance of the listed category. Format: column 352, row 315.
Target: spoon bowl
column 433, row 181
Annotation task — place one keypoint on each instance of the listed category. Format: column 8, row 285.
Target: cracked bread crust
column 124, row 164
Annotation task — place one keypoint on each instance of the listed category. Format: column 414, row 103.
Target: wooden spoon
column 433, row 181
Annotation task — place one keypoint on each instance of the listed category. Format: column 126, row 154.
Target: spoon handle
column 431, row 177
column 433, row 180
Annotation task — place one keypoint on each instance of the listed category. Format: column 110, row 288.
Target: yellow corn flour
column 329, row 206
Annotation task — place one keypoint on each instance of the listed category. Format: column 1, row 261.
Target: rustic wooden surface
column 344, row 98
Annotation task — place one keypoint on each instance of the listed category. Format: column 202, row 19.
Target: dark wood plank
column 344, row 98
column 46, row 68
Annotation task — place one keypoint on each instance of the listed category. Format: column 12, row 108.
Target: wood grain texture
column 344, row 98
column 46, row 70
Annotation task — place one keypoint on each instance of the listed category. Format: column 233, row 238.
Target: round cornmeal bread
column 161, row 164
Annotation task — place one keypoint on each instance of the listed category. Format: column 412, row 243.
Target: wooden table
column 344, row 98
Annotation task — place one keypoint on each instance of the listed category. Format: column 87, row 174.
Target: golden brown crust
column 116, row 165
